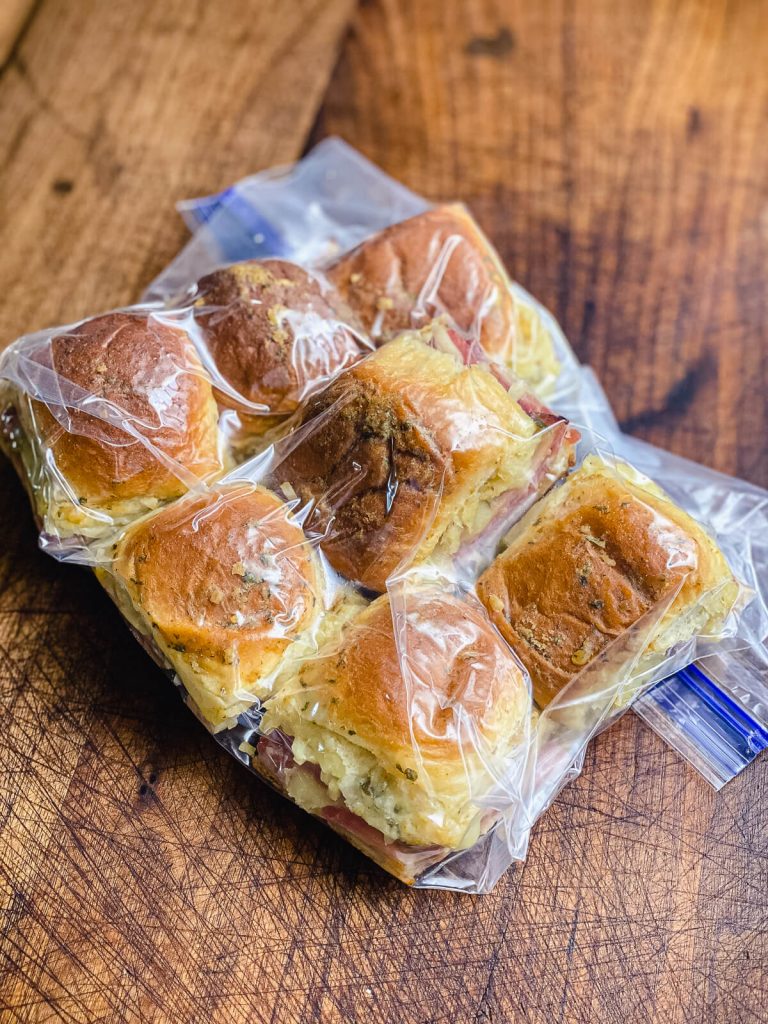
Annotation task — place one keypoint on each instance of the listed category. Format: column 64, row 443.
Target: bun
column 407, row 454
column 441, row 261
column 410, row 752
column 589, row 561
column 223, row 584
column 143, row 371
column 274, row 332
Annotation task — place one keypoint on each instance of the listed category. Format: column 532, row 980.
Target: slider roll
column 589, row 561
column 221, row 585
column 274, row 333
column 110, row 419
column 407, row 733
column 440, row 263
column 411, row 454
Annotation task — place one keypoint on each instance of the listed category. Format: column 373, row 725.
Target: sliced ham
column 557, row 434
column 275, row 757
column 275, row 754
column 507, row 508
column 471, row 353
column 415, row 859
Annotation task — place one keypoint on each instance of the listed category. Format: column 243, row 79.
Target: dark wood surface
column 618, row 156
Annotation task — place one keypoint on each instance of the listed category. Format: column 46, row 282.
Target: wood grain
column 618, row 159
column 13, row 15
column 111, row 112
column 617, row 155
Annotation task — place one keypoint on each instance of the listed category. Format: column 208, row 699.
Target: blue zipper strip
column 731, row 712
column 240, row 230
column 720, row 729
column 205, row 207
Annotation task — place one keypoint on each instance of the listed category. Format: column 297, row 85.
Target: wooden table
column 618, row 156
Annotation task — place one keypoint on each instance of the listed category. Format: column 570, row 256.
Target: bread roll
column 589, row 561
column 275, row 332
column 410, row 453
column 441, row 262
column 223, row 584
column 133, row 425
column 400, row 731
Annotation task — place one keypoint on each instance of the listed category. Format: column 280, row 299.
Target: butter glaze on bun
column 440, row 261
column 587, row 562
column 410, row 718
column 223, row 583
column 275, row 332
column 408, row 453
column 140, row 369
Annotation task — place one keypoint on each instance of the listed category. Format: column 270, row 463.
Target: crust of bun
column 589, row 561
column 224, row 583
column 403, row 455
column 444, row 249
column 150, row 372
column 409, row 751
column 273, row 330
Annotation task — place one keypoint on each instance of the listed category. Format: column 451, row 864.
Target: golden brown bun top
column 461, row 689
column 582, row 567
column 392, row 436
column 148, row 373
column 273, row 329
column 221, row 571
column 384, row 276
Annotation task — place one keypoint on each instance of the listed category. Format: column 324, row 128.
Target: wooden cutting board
column 618, row 156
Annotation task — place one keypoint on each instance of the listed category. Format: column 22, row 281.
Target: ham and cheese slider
column 413, row 453
column 407, row 733
column 589, row 562
column 122, row 419
column 274, row 333
column 441, row 263
column 221, row 585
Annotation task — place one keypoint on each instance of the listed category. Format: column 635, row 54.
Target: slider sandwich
column 220, row 586
column 441, row 263
column 274, row 333
column 412, row 453
column 589, row 562
column 407, row 734
column 109, row 419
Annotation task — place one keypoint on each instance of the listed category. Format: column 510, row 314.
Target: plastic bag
column 417, row 262
column 334, row 198
column 328, row 544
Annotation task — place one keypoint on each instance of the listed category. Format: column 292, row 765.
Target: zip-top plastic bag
column 393, row 579
column 332, row 200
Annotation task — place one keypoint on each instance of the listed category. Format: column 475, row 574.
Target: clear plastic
column 396, row 259
column 390, row 579
column 113, row 416
column 710, row 717
column 308, row 213
column 107, row 419
column 333, row 199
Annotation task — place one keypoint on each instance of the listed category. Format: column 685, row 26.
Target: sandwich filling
column 304, row 785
